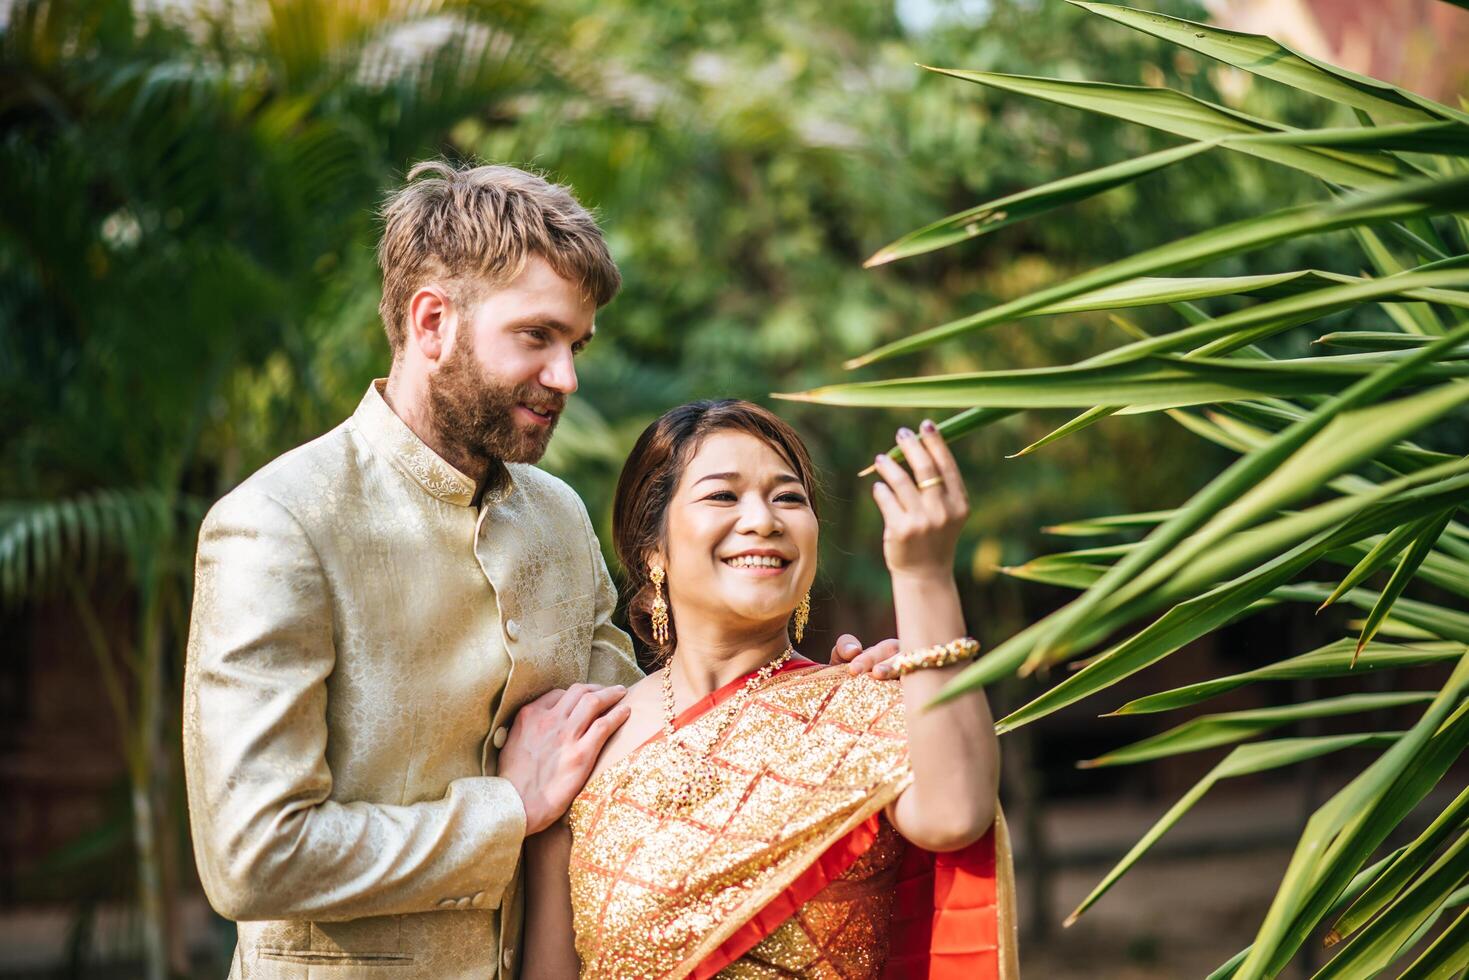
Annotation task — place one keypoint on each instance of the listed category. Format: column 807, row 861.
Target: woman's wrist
column 925, row 577
column 936, row 656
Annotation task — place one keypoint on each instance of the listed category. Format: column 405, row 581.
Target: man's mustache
column 543, row 401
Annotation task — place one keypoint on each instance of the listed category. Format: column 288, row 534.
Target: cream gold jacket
column 361, row 639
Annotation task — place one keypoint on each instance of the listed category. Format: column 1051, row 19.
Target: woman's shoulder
column 644, row 702
column 645, row 687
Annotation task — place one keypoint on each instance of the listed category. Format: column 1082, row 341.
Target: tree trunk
column 148, row 768
column 150, row 878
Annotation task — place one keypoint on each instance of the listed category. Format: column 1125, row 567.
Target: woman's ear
column 652, row 558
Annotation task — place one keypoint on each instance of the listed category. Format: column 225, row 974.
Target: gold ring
column 932, row 481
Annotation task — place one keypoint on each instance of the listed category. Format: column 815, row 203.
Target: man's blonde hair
column 474, row 228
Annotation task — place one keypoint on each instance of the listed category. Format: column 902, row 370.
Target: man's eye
column 536, row 334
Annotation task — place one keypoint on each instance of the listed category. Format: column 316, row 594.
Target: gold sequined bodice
column 657, row 885
column 842, row 932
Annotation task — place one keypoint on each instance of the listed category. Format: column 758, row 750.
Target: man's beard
column 474, row 416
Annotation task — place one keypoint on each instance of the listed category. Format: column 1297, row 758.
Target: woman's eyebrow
column 783, row 478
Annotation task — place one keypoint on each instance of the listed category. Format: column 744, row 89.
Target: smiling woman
column 709, row 521
column 759, row 814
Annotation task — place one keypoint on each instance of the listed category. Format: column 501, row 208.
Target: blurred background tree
column 186, row 226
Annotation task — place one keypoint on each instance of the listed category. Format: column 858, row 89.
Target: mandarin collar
column 390, row 435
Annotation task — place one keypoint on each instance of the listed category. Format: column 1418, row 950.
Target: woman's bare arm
column 550, row 951
column 952, row 747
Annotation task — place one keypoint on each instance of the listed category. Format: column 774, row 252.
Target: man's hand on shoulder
column 848, row 650
column 553, row 744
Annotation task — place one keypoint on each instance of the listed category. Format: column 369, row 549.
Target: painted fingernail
column 905, row 433
column 928, row 426
column 879, row 457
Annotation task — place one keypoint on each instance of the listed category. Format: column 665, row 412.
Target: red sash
column 945, row 922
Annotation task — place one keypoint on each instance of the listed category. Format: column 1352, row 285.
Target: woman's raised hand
column 923, row 511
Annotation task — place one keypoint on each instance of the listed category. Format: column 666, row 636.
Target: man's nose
column 560, row 375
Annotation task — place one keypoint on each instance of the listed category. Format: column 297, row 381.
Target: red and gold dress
column 783, row 866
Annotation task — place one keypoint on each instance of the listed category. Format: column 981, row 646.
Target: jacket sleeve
column 269, row 841
column 612, row 659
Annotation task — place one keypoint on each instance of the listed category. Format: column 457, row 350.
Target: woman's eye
column 729, row 496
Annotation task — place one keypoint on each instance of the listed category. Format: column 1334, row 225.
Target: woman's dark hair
column 651, row 474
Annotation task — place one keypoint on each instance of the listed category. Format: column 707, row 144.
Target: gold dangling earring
column 803, row 615
column 660, row 607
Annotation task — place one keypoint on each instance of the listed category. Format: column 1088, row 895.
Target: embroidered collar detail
column 390, row 435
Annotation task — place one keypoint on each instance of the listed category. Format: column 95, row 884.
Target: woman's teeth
column 756, row 561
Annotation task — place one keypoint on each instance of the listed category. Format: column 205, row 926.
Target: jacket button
column 512, row 629
column 508, row 957
column 478, row 900
column 498, row 739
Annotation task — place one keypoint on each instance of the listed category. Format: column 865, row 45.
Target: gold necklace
column 706, row 779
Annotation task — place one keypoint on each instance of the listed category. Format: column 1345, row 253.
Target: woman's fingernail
column 905, row 433
column 879, row 457
column 928, row 426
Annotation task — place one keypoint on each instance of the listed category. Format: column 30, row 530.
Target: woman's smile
column 759, row 563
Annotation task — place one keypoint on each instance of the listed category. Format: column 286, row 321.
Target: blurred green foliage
column 187, row 220
column 757, row 154
column 190, row 216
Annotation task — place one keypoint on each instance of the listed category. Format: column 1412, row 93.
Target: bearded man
column 375, row 608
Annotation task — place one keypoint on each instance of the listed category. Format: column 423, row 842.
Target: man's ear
column 430, row 312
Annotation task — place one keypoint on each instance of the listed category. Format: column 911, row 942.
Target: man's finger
column 847, row 648
column 599, row 731
column 574, row 695
column 874, row 655
column 882, row 651
column 593, row 705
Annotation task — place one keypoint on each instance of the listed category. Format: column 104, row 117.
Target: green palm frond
column 43, row 542
column 1327, row 468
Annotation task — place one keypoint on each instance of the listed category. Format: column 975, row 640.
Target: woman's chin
column 759, row 617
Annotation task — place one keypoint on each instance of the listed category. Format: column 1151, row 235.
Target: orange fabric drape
column 946, row 917
column 946, row 920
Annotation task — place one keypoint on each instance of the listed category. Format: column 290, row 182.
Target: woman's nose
column 757, row 517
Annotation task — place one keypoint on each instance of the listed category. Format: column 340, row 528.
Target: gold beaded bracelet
column 939, row 655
